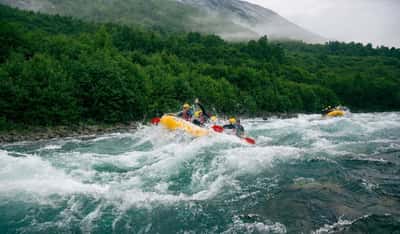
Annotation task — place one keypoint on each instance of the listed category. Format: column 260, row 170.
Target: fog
column 375, row 21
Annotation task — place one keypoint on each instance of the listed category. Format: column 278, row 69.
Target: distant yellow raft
column 336, row 113
column 174, row 123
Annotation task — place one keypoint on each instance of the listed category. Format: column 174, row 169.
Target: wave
column 153, row 169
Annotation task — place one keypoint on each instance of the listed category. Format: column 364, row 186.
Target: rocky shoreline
column 85, row 130
column 47, row 133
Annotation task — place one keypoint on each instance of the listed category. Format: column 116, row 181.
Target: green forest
column 61, row 71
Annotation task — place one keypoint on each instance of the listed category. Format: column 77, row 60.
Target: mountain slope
column 260, row 20
column 231, row 19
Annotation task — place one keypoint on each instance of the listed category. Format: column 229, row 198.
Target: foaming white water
column 153, row 165
column 52, row 147
column 254, row 160
column 266, row 226
column 34, row 175
column 340, row 225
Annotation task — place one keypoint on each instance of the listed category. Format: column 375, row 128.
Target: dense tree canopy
column 56, row 70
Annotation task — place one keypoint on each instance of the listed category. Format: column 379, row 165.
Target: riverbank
column 83, row 130
column 46, row 133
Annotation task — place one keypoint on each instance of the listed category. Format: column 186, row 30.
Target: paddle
column 250, row 140
column 221, row 129
column 155, row 120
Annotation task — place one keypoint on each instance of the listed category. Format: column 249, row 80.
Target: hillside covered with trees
column 61, row 71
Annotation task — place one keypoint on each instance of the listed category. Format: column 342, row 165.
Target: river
column 304, row 175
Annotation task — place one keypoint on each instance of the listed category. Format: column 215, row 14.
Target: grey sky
column 376, row 21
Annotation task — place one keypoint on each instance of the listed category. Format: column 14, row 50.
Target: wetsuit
column 239, row 130
column 229, row 126
column 238, row 127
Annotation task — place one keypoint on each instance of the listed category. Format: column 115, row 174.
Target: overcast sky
column 376, row 21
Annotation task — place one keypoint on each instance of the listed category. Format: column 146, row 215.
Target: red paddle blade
column 250, row 140
column 218, row 128
column 155, row 121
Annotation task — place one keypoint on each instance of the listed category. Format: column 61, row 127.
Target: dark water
column 305, row 175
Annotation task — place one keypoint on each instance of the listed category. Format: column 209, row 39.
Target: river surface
column 305, row 175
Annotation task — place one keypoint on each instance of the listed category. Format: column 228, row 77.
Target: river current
column 304, row 175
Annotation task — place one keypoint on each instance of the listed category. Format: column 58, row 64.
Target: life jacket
column 199, row 121
column 186, row 115
column 196, row 122
column 229, row 126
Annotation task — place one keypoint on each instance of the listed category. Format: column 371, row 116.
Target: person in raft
column 200, row 117
column 235, row 126
column 186, row 112
column 326, row 110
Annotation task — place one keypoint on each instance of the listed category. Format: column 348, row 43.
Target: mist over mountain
column 230, row 19
column 367, row 21
column 255, row 18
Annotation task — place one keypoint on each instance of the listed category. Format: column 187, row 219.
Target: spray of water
column 106, row 183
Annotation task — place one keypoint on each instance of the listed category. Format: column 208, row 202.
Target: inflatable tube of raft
column 336, row 113
column 173, row 123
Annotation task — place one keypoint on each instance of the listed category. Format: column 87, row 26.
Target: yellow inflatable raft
column 336, row 113
column 174, row 123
